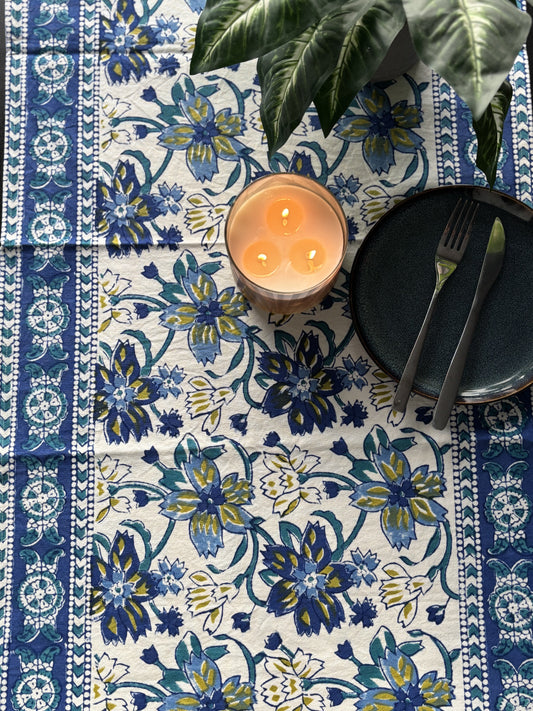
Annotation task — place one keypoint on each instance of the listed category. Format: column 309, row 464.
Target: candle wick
column 310, row 257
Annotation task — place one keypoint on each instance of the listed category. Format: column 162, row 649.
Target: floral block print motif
column 268, row 532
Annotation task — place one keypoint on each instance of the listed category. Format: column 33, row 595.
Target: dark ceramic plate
column 392, row 280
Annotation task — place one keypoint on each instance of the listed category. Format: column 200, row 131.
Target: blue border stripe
column 52, row 447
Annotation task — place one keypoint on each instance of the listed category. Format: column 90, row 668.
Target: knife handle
column 452, row 380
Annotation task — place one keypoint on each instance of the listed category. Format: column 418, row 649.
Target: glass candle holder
column 286, row 237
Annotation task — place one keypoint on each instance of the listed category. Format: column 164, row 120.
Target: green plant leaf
column 373, row 27
column 291, row 74
column 472, row 44
column 489, row 132
column 232, row 31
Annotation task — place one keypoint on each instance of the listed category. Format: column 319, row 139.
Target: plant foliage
column 325, row 51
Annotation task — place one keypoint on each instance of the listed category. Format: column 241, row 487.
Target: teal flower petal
column 229, row 124
column 202, row 161
column 197, row 109
column 370, row 496
column 399, row 669
column 205, row 531
column 392, row 464
column 398, row 525
column 426, row 511
column 180, row 505
column 204, row 342
column 177, row 137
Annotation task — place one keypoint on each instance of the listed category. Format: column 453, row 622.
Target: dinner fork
column 449, row 253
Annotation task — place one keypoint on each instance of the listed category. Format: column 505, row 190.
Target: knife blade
column 490, row 269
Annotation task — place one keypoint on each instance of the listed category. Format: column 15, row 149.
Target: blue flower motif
column 308, row 582
column 124, row 212
column 303, row 388
column 206, row 137
column 273, row 641
column 169, row 199
column 150, row 271
column 171, row 423
column 119, row 590
column 150, row 655
column 170, row 621
column 272, row 439
column 141, row 498
column 335, row 695
column 168, row 381
column 364, row 613
column 208, row 317
column 424, row 414
column 241, row 621
column 344, row 650
column 331, row 489
column 196, row 5
column 169, row 576
column 353, row 229
column 141, row 310
column 166, row 31
column 340, row 447
column 140, row 700
column 406, row 690
column 345, row 189
column 301, row 163
column 150, row 456
column 122, row 395
column 239, row 422
column 353, row 373
column 168, row 65
column 382, row 128
column 170, row 237
column 125, row 44
column 363, row 566
column 403, row 497
column 213, row 505
column 149, row 94
column 208, row 690
column 354, row 414
column 436, row 613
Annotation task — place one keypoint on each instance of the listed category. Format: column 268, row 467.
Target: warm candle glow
column 261, row 258
column 286, row 236
column 307, row 255
column 285, row 216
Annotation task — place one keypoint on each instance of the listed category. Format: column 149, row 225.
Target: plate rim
column 475, row 192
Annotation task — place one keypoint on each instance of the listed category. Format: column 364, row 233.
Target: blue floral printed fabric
column 205, row 506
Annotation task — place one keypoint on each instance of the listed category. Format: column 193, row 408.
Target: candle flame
column 262, row 259
column 311, row 254
column 285, row 216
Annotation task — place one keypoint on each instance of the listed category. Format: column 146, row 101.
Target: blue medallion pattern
column 46, row 378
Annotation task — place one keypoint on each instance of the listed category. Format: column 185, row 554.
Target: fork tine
column 449, row 232
column 459, row 226
column 465, row 233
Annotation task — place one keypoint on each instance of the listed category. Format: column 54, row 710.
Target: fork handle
column 408, row 376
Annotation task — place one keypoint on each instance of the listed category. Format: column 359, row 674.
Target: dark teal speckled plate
column 392, row 280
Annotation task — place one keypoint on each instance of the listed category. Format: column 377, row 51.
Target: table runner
column 204, row 506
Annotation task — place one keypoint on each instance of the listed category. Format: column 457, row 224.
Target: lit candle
column 286, row 237
column 261, row 258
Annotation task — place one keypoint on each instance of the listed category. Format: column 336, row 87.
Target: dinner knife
column 489, row 271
